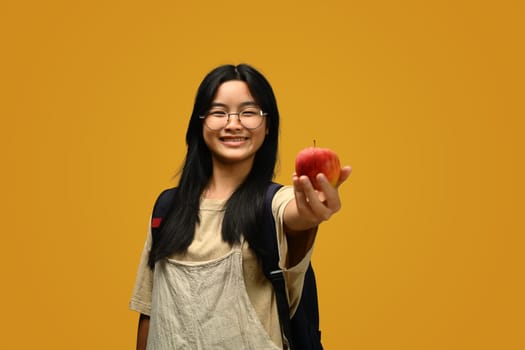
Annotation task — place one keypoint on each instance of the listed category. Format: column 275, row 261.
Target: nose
column 233, row 122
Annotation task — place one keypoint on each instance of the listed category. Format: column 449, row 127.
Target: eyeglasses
column 250, row 118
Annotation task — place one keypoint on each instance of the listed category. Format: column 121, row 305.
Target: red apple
column 314, row 160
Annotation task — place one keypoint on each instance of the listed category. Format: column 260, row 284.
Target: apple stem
column 314, row 143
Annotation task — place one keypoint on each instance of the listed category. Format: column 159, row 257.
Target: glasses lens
column 251, row 118
column 216, row 120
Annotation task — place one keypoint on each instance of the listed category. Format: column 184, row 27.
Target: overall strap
column 270, row 262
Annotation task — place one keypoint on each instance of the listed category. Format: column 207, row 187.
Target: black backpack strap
column 270, row 262
column 305, row 321
column 161, row 208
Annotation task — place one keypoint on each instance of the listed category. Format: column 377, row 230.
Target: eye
column 217, row 113
column 250, row 112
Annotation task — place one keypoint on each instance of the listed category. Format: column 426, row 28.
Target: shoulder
column 162, row 206
column 165, row 198
column 167, row 194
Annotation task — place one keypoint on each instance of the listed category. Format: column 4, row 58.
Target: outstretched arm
column 307, row 210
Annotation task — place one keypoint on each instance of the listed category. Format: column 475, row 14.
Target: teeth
column 234, row 139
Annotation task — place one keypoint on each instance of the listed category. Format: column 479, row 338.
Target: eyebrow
column 243, row 104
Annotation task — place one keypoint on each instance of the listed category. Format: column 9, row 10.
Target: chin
column 231, row 159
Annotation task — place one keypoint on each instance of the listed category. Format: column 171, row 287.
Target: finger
column 300, row 197
column 344, row 175
column 332, row 201
column 326, row 188
column 318, row 208
column 297, row 187
column 307, row 187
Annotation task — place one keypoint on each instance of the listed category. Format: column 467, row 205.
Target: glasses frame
column 228, row 115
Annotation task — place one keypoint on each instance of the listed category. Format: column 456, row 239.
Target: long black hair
column 243, row 212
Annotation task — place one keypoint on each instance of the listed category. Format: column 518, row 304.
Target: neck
column 226, row 178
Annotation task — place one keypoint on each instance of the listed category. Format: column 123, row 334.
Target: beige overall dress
column 205, row 306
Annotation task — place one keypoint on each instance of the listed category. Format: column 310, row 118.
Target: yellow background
column 423, row 98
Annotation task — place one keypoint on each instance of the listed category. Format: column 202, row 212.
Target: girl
column 200, row 284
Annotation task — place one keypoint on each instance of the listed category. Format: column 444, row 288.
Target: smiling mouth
column 233, row 139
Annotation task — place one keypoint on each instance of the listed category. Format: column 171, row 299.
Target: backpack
column 302, row 330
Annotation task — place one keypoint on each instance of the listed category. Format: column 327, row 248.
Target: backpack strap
column 161, row 208
column 270, row 263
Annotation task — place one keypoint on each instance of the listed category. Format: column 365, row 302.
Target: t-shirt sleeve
column 141, row 297
column 294, row 275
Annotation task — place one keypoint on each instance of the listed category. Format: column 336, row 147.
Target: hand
column 316, row 206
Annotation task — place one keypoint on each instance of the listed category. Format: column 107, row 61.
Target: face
column 234, row 144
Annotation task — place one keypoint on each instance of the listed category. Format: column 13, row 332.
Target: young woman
column 200, row 284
